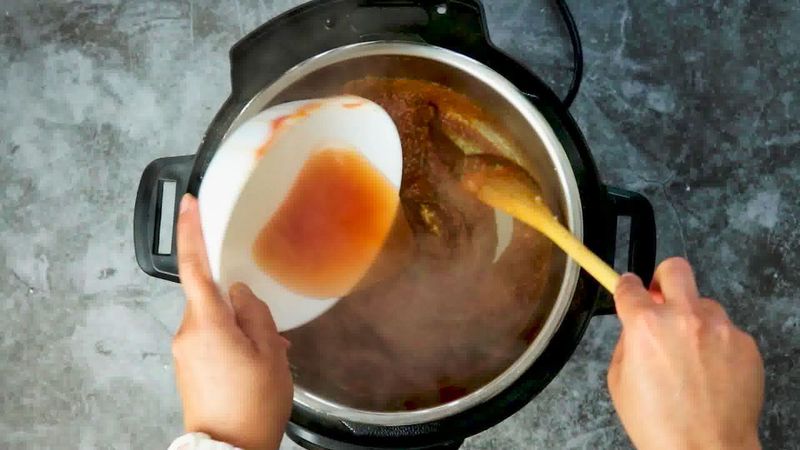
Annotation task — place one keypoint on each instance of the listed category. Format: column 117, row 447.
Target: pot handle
column 642, row 244
column 154, row 217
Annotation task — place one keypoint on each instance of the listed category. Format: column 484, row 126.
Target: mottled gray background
column 693, row 103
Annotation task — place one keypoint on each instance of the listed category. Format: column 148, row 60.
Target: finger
column 657, row 297
column 254, row 317
column 204, row 301
column 713, row 309
column 675, row 281
column 630, row 296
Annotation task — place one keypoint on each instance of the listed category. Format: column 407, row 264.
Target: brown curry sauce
column 453, row 319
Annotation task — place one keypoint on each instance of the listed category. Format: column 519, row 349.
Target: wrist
column 199, row 441
column 241, row 438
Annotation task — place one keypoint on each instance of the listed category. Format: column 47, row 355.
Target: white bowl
column 254, row 169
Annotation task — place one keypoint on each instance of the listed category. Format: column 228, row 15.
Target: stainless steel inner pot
column 324, row 74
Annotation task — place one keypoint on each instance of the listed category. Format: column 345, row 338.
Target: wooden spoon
column 502, row 184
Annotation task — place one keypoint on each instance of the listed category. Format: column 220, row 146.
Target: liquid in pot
column 456, row 315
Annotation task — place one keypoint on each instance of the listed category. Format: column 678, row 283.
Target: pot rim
column 566, row 178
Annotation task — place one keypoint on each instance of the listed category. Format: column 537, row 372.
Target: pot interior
column 459, row 321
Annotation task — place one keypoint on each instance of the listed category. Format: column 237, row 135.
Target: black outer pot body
column 277, row 46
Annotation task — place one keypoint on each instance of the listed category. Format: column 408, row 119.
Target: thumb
column 204, row 301
column 253, row 317
column 630, row 297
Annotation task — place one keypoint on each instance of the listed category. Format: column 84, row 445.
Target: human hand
column 682, row 375
column 230, row 361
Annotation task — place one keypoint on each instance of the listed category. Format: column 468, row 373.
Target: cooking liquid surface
column 453, row 318
column 329, row 229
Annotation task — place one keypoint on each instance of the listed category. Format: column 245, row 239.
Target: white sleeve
column 199, row 441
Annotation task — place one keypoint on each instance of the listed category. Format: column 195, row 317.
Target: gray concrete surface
column 694, row 104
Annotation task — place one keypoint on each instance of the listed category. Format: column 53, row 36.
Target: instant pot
column 305, row 53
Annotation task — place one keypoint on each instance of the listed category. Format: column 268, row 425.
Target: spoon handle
column 538, row 216
column 590, row 262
